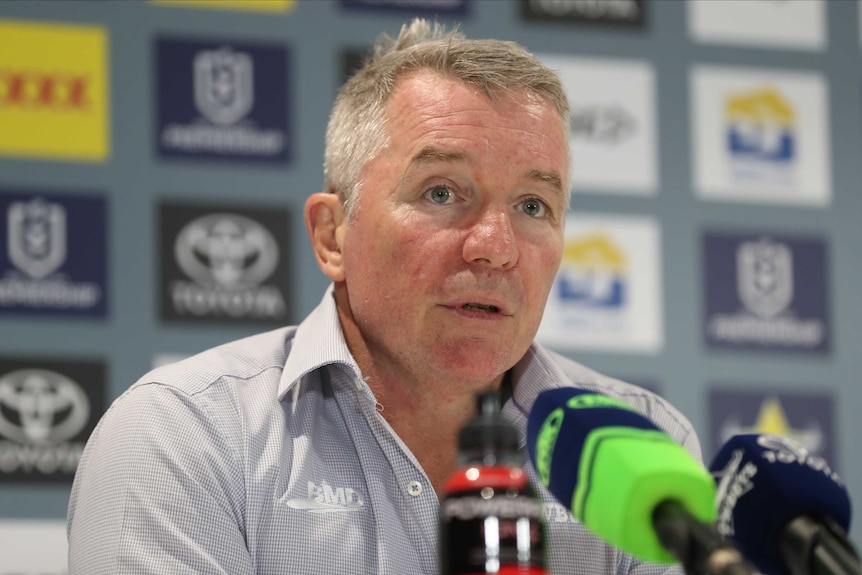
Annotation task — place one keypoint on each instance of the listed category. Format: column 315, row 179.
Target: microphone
column 787, row 510
column 628, row 482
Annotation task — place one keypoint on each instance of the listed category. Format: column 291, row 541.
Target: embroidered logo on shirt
column 325, row 498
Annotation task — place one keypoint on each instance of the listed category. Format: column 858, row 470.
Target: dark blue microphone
column 785, row 508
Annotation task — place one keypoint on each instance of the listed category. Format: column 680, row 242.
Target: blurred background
column 155, row 156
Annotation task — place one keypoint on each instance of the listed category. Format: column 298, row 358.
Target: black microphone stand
column 818, row 547
column 698, row 546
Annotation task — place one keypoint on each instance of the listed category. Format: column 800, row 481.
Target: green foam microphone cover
column 612, row 466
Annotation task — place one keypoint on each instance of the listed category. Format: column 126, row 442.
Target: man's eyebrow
column 429, row 155
column 552, row 178
column 432, row 154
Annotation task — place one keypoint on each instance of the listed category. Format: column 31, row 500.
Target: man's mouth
column 480, row 307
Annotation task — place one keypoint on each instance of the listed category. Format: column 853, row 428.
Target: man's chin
column 476, row 367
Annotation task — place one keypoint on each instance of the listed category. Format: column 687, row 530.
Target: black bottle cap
column 488, row 438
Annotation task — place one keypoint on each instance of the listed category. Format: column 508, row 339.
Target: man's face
column 458, row 231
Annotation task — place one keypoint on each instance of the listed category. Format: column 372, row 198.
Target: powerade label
column 491, row 530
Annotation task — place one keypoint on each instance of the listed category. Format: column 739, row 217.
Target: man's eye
column 440, row 195
column 534, row 207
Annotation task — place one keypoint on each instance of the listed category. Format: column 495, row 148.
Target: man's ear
column 325, row 221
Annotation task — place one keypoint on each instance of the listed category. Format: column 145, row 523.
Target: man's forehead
column 435, row 88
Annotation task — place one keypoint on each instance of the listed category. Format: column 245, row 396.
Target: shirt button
column 414, row 488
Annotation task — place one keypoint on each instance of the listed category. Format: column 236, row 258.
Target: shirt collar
column 534, row 373
column 317, row 341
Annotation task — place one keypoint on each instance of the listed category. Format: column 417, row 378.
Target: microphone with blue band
column 785, row 508
column 628, row 482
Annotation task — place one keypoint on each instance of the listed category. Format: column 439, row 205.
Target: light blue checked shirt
column 267, row 456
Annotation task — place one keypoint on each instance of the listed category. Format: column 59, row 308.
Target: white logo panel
column 761, row 23
column 33, row 547
column 613, row 127
column 760, row 136
column 607, row 294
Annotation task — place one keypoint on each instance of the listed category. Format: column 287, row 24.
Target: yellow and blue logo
column 54, row 91
column 593, row 272
column 761, row 126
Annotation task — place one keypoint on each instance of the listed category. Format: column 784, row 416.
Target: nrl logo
column 224, row 85
column 765, row 277
column 37, row 237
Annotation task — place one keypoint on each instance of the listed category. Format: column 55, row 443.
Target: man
column 323, row 448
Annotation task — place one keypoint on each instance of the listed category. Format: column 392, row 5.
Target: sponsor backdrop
column 155, row 157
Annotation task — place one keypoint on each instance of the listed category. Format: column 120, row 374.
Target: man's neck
column 426, row 413
column 427, row 416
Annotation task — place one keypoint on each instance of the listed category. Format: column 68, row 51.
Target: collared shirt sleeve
column 160, row 491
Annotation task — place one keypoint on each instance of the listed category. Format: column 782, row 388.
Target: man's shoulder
column 232, row 362
column 584, row 377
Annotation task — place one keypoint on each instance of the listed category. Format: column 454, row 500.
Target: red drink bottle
column 490, row 519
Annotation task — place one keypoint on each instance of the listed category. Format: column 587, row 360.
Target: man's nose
column 491, row 241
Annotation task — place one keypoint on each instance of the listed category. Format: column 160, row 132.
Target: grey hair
column 357, row 132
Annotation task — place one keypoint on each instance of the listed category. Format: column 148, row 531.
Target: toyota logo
column 227, row 251
column 39, row 406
